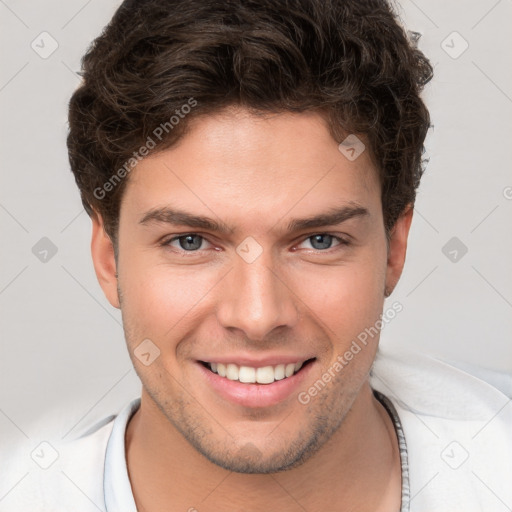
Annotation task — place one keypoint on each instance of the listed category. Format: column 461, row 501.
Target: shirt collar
column 116, row 484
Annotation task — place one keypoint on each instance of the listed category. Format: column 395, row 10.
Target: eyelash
column 342, row 242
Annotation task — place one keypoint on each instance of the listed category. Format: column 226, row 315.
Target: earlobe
column 397, row 249
column 104, row 260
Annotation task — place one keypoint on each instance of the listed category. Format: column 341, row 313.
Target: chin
column 269, row 458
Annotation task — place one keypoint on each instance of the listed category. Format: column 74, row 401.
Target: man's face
column 258, row 295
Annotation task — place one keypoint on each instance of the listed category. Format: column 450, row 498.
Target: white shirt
column 454, row 432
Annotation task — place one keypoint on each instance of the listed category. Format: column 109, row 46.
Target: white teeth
column 249, row 375
column 221, row 369
column 232, row 371
column 289, row 369
column 279, row 372
column 265, row 375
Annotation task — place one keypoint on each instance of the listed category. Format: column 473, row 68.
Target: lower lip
column 255, row 395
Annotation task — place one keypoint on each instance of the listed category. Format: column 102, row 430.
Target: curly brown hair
column 350, row 60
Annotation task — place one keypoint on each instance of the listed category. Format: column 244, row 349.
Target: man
column 250, row 170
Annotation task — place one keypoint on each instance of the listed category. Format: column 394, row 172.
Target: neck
column 358, row 468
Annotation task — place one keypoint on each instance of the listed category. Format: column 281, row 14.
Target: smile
column 256, row 383
column 250, row 375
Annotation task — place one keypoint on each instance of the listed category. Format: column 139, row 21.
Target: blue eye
column 189, row 243
column 323, row 241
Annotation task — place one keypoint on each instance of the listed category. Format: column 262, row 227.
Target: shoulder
column 57, row 475
column 437, row 388
column 457, row 428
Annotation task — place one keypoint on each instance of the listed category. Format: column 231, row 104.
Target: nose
column 256, row 299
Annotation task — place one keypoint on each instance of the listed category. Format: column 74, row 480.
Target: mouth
column 258, row 386
column 252, row 375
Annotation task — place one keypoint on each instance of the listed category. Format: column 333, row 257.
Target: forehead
column 237, row 164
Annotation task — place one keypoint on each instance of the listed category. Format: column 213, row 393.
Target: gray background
column 62, row 348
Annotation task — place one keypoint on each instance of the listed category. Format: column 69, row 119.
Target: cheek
column 345, row 298
column 162, row 299
column 347, row 304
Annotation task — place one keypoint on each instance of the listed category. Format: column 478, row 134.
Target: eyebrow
column 177, row 217
column 331, row 217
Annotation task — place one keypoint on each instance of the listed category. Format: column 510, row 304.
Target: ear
column 104, row 261
column 397, row 249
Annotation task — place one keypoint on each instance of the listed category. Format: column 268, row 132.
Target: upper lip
column 271, row 360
